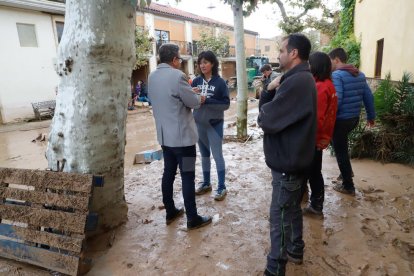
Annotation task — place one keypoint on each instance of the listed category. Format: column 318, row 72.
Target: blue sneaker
column 220, row 194
column 203, row 188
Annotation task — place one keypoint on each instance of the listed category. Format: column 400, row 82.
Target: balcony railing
column 229, row 52
column 188, row 48
column 185, row 47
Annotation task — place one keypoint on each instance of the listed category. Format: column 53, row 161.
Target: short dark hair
column 211, row 57
column 339, row 53
column 168, row 52
column 301, row 43
column 320, row 66
column 266, row 67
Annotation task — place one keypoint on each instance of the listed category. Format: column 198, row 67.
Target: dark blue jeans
column 340, row 144
column 184, row 158
column 286, row 221
column 144, row 99
column 211, row 141
column 316, row 182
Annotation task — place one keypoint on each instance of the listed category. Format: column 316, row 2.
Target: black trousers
column 184, row 158
column 340, row 144
column 316, row 182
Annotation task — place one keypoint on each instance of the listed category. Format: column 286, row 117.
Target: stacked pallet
column 44, row 216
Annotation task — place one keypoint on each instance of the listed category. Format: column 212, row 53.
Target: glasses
column 179, row 59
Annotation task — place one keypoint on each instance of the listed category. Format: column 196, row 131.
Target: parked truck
column 253, row 65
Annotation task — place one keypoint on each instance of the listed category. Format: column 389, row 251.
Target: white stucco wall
column 189, row 38
column 392, row 21
column 27, row 74
column 149, row 25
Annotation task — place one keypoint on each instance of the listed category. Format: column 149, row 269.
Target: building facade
column 30, row 32
column 33, row 29
column 386, row 32
column 269, row 47
column 167, row 24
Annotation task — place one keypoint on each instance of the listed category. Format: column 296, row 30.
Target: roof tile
column 168, row 10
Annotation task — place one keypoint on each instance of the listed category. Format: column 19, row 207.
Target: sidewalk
column 25, row 126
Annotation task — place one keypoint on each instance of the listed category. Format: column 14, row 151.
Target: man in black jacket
column 288, row 119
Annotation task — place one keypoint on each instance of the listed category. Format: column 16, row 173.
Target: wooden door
column 378, row 59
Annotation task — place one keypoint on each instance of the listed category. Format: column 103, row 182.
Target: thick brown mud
column 369, row 234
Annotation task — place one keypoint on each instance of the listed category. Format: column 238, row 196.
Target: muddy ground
column 369, row 234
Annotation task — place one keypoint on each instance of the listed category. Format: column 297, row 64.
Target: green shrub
column 345, row 37
column 404, row 95
column 384, row 96
column 392, row 140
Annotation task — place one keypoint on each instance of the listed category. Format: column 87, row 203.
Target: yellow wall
column 249, row 40
column 273, row 52
column 177, row 31
column 140, row 20
column 176, row 28
column 230, row 35
column 394, row 22
column 249, row 43
column 196, row 30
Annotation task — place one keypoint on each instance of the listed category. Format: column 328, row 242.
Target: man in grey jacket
column 172, row 100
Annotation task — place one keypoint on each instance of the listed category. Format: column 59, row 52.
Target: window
column 195, row 48
column 163, row 36
column 59, row 30
column 267, row 48
column 27, row 35
column 254, row 62
column 378, row 60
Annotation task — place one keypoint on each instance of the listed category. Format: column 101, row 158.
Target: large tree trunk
column 95, row 60
column 241, row 70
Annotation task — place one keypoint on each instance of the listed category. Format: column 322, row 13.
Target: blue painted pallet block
column 148, row 156
column 56, row 261
column 45, row 225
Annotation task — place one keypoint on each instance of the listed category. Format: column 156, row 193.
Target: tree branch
column 302, row 14
column 282, row 9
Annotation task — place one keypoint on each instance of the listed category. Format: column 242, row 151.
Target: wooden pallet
column 44, row 216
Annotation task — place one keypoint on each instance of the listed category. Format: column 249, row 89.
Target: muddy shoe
column 309, row 210
column 294, row 259
column 268, row 273
column 203, row 188
column 220, row 194
column 339, row 178
column 340, row 188
column 198, row 222
column 177, row 213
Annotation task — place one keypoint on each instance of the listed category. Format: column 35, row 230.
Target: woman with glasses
column 209, row 119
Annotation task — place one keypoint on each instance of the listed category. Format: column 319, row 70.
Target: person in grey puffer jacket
column 209, row 119
column 352, row 90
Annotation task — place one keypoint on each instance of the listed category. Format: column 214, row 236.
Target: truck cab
column 253, row 65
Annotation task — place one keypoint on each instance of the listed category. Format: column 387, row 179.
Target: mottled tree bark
column 237, row 8
column 95, row 59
